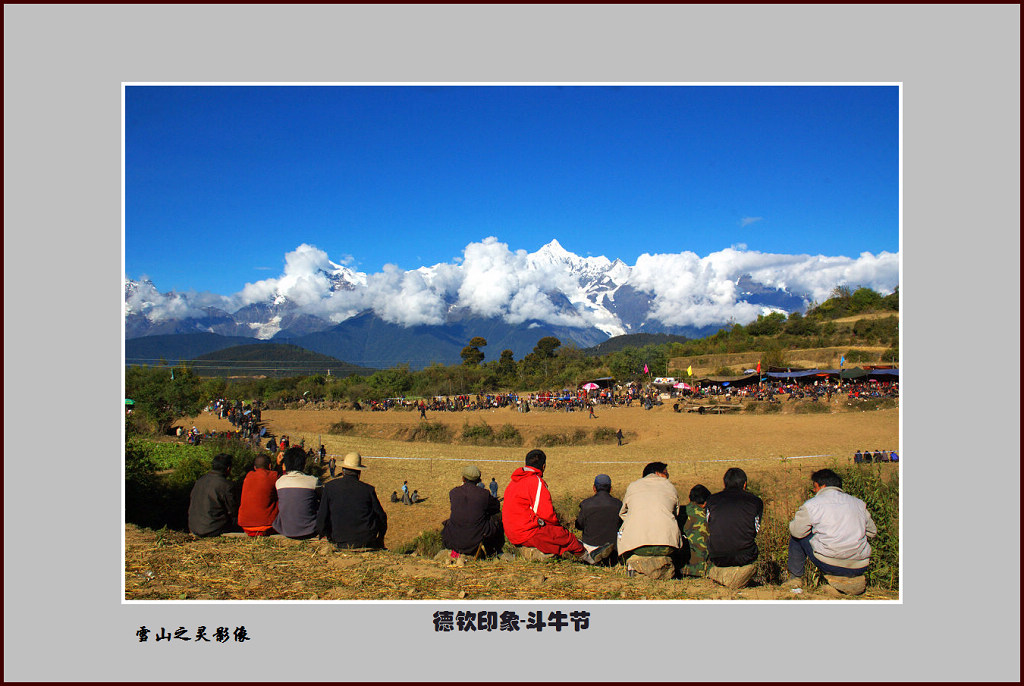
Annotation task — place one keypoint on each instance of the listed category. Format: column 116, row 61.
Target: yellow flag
column 689, row 370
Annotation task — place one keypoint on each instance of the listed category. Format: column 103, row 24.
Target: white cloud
column 490, row 280
column 747, row 221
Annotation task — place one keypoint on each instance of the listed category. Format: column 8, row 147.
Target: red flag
column 759, row 366
column 645, row 369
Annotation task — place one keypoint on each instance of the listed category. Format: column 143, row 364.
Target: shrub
column 882, row 498
column 859, row 356
column 431, row 432
column 478, row 434
column 868, row 404
column 548, row 440
column 341, row 427
column 604, row 434
column 811, row 407
column 771, row 408
column 509, row 435
column 724, row 371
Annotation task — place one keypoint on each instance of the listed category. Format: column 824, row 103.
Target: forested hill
column 272, row 359
column 632, row 340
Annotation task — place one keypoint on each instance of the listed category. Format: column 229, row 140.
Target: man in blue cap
column 599, row 520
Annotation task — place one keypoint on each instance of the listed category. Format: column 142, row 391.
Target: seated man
column 878, row 455
column 528, row 514
column 894, row 456
column 296, row 497
column 695, row 531
column 734, row 518
column 832, row 531
column 649, row 525
column 350, row 515
column 394, row 497
column 475, row 518
column 858, row 457
column 599, row 520
column 211, row 506
column 258, row 508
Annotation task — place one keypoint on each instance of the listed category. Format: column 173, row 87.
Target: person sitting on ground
column 649, row 509
column 695, row 531
column 211, row 505
column 258, row 508
column 878, row 455
column 350, row 515
column 734, row 518
column 415, row 497
column 296, row 497
column 394, row 497
column 858, row 457
column 599, row 520
column 832, row 531
column 894, row 456
column 475, row 518
column 528, row 514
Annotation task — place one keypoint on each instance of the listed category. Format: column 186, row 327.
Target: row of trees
column 162, row 394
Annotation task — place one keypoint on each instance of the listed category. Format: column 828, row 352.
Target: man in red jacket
column 258, row 509
column 529, row 516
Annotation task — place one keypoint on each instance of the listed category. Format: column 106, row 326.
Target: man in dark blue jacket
column 475, row 517
column 350, row 515
column 599, row 521
column 212, row 506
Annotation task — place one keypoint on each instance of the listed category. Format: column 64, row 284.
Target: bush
column 882, row 498
column 509, row 435
column 605, row 434
column 724, row 371
column 341, row 427
column 869, row 404
column 811, row 407
column 859, row 356
column 771, row 408
column 431, row 432
column 478, row 434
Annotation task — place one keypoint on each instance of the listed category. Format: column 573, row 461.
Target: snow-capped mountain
column 584, row 299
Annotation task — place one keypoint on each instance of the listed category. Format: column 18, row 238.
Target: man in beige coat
column 649, row 525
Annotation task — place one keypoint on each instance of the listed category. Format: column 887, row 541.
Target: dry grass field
column 777, row 451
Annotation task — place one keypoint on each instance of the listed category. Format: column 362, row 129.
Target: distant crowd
column 648, row 530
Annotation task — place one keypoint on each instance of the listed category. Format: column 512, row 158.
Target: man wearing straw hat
column 350, row 514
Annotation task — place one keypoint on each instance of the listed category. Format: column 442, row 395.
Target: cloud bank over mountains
column 551, row 285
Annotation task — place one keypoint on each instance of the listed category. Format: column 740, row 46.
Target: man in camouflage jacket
column 695, row 530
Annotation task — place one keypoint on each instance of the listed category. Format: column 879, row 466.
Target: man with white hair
column 350, row 515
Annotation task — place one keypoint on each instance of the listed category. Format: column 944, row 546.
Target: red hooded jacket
column 526, row 500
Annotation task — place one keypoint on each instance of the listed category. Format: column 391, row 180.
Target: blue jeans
column 800, row 551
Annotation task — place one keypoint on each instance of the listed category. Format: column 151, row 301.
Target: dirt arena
column 777, row 451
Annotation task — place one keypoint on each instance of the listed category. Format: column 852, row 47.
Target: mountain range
column 428, row 314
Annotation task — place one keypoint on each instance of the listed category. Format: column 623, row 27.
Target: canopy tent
column 729, row 381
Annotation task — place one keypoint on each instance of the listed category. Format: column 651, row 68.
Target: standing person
column 599, row 520
column 590, row 407
column 296, row 497
column 350, row 515
column 321, row 454
column 475, row 518
column 695, row 531
column 258, row 508
column 832, row 531
column 406, row 500
column 211, row 505
column 423, row 410
column 528, row 514
column 650, row 506
column 494, row 487
column 618, row 436
column 734, row 518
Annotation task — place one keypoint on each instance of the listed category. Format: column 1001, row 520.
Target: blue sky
column 222, row 182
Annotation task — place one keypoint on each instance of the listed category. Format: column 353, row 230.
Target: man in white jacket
column 832, row 531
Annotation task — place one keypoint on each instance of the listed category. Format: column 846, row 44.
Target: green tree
column 626, row 364
column 864, row 300
column 545, row 348
column 391, row 383
column 471, row 354
column 164, row 395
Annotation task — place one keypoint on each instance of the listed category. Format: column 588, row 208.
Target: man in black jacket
column 350, row 514
column 599, row 521
column 475, row 517
column 212, row 507
column 734, row 518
